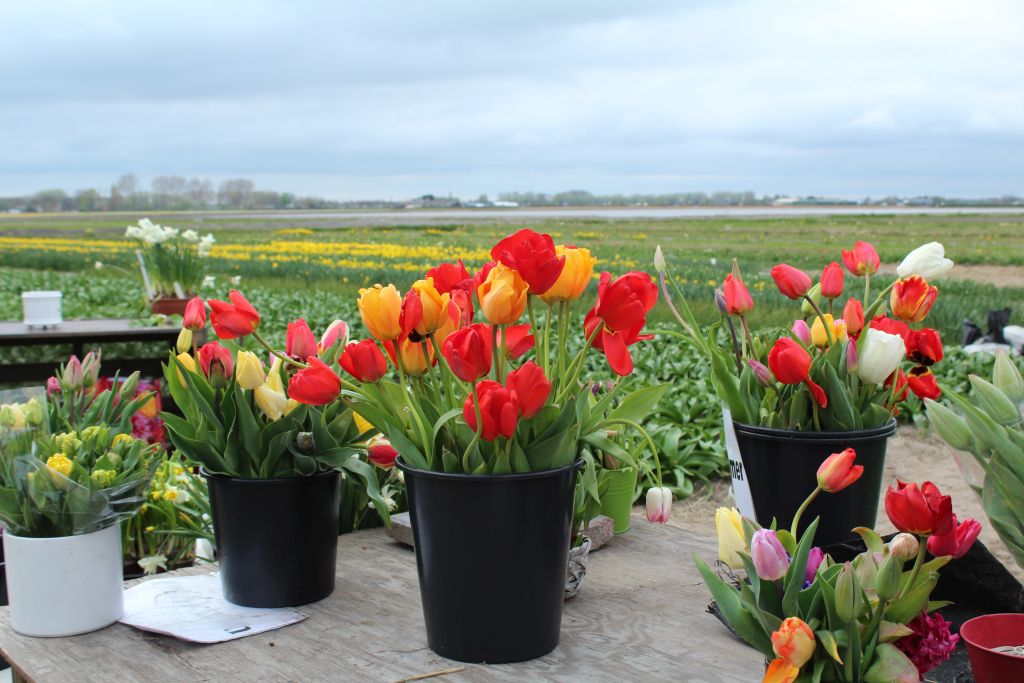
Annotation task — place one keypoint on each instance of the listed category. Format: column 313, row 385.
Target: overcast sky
column 395, row 99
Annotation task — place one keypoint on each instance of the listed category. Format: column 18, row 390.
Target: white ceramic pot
column 42, row 308
column 66, row 585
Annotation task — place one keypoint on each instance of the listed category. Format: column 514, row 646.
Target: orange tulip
column 838, row 471
column 575, row 276
column 424, row 309
column 794, row 642
column 412, row 355
column 912, row 298
column 780, row 671
column 502, row 295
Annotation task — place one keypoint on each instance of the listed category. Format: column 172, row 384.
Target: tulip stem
column 870, row 313
column 563, row 331
column 547, row 340
column 502, row 354
column 275, row 352
column 821, row 316
column 800, row 510
column 447, row 374
column 918, row 561
column 646, row 437
column 576, row 365
column 533, row 324
column 476, row 436
column 428, row 445
column 867, row 286
column 494, row 351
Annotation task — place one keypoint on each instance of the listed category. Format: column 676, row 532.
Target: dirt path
column 1000, row 276
column 913, row 455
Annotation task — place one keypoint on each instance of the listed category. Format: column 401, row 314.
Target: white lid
column 41, row 294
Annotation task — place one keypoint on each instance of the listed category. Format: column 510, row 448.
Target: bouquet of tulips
column 990, row 428
column 828, row 373
column 869, row 619
column 77, row 397
column 502, row 396
column 242, row 419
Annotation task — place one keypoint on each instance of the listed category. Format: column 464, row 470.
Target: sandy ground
column 912, row 455
column 1000, row 276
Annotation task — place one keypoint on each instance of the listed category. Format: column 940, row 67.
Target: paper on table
column 193, row 608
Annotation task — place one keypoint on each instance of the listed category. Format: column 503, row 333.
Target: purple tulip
column 770, row 559
column 814, row 560
column 851, row 357
column 761, row 372
column 802, row 332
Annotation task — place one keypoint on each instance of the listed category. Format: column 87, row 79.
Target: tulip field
column 285, row 263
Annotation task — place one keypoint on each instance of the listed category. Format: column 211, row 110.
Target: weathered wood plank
column 640, row 616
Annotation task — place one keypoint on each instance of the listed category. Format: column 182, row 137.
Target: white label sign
column 740, row 485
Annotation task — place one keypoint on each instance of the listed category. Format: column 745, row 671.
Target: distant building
column 506, row 205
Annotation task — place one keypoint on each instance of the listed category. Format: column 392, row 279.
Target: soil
column 913, row 455
column 1000, row 276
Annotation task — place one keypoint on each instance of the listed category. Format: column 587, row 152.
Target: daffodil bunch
column 174, row 258
column 74, row 482
column 821, row 620
column 837, row 368
column 176, row 513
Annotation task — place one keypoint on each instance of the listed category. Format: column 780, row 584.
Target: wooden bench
column 640, row 617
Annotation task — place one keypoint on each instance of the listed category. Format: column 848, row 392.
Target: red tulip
column 411, row 315
column 469, row 351
column 533, row 255
column 853, row 316
column 923, row 383
column 518, row 340
column 195, row 314
column 791, row 364
column 363, row 360
column 832, row 281
column 791, row 281
column 215, row 360
column 499, row 410
column 737, row 299
column 620, row 313
column 924, row 347
column 532, row 388
column 912, row 298
column 462, row 299
column 233, row 320
column 957, row 541
column 316, row 385
column 299, row 341
column 838, row 471
column 451, row 276
column 920, row 511
column 863, row 260
column 614, row 345
column 381, row 453
column 886, row 324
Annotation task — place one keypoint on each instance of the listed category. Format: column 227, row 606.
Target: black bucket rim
column 461, row 476
column 853, row 435
column 252, row 481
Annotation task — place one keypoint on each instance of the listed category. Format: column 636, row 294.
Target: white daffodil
column 152, row 564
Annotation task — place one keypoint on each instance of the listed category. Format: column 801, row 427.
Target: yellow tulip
column 274, row 376
column 576, row 275
column 59, row 464
column 270, row 401
column 818, row 336
column 249, row 370
column 412, row 356
column 184, row 342
column 381, row 309
column 731, row 540
column 503, row 295
column 189, row 363
column 435, row 306
column 361, row 423
column 451, row 324
column 291, row 405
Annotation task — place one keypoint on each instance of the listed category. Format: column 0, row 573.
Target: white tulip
column 880, row 356
column 658, row 504
column 928, row 261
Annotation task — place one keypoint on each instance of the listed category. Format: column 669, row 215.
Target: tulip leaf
column 335, row 457
column 735, row 614
column 441, row 421
column 365, row 473
column 828, row 642
column 450, row 462
column 248, row 428
column 787, row 540
column 872, row 541
column 797, row 570
column 275, row 447
column 520, row 464
column 406, row 448
column 606, row 445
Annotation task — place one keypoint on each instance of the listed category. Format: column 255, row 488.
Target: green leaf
column 638, row 405
column 734, row 612
column 411, row 455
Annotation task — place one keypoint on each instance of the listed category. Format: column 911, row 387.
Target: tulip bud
column 249, row 370
column 761, row 372
column 1006, row 375
column 847, row 594
column 851, row 358
column 794, row 641
column 90, row 368
column 994, row 402
column 820, row 334
column 802, row 332
column 380, row 452
column 770, row 559
column 305, row 442
column 951, row 427
column 71, row 376
column 184, row 342
column 904, row 546
column 731, row 539
column 720, row 304
column 887, row 583
column 815, row 295
column 52, row 386
column 659, row 504
column 33, row 411
column 659, row 261
column 129, row 387
column 7, row 416
column 814, row 559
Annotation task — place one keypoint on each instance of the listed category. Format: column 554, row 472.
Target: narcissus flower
column 658, row 504
column 533, row 254
column 794, row 641
column 832, row 281
column 575, row 275
column 731, row 540
column 381, row 308
column 315, row 385
column 235, row 319
column 532, row 388
column 502, row 295
column 791, row 364
column 299, row 341
column 195, row 314
column 363, row 360
column 469, row 352
column 737, row 298
column 912, row 299
column 921, row 511
column 861, row 260
column 499, row 410
column 792, row 282
column 838, row 471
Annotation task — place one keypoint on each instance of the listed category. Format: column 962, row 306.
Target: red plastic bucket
column 994, row 630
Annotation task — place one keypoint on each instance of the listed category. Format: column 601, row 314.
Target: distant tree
column 199, row 192
column 49, row 200
column 116, row 202
column 127, row 184
column 235, row 193
column 88, row 200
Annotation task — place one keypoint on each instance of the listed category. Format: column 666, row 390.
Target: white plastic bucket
column 42, row 308
column 66, row 585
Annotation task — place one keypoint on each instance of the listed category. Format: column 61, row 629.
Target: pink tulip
column 802, row 332
column 770, row 559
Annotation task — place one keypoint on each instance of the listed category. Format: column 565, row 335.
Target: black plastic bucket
column 492, row 552
column 277, row 539
column 781, row 468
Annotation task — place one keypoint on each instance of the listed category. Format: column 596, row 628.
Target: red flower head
column 468, row 352
column 912, row 298
column 233, row 320
column 411, row 315
column 838, row 471
column 451, row 276
column 215, row 360
column 532, row 388
column 620, row 313
column 737, row 299
column 518, row 340
column 923, row 383
column 499, row 410
column 363, row 360
column 902, row 386
column 924, row 347
column 316, row 385
column 853, row 317
column 930, row 644
column 533, row 255
column 791, row 364
column 863, row 260
column 462, row 299
column 381, row 453
column 957, row 541
column 299, row 342
column 195, row 314
column 791, row 281
column 832, row 281
column 920, row 511
column 885, row 324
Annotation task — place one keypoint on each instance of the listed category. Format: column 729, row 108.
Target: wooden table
column 639, row 617
column 82, row 335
